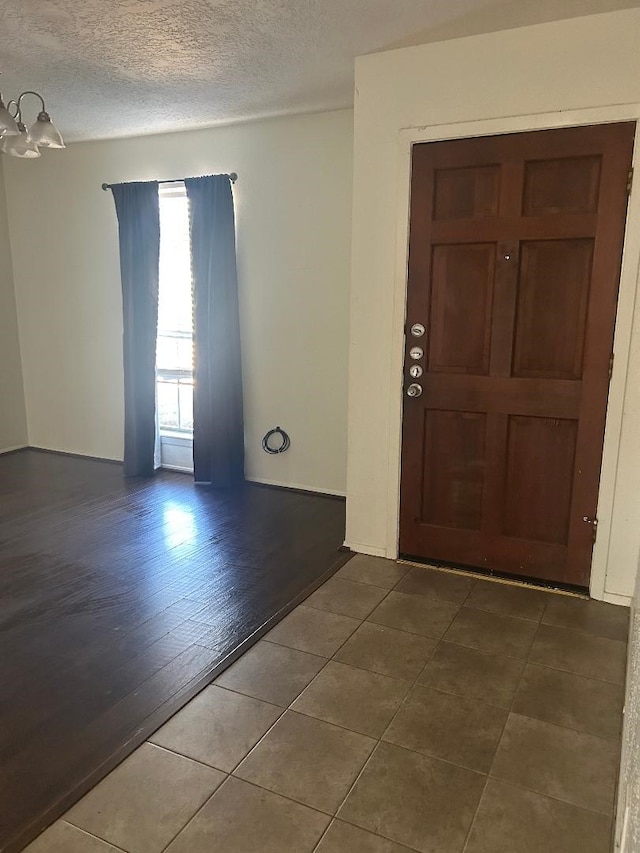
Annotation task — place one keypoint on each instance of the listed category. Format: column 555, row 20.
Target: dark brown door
column 514, row 262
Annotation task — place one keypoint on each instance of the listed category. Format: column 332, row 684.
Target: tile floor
column 397, row 709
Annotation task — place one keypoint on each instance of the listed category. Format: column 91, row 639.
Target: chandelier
column 16, row 140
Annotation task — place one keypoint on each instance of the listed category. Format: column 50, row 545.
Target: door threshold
column 497, row 577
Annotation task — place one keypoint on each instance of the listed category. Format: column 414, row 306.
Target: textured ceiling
column 121, row 67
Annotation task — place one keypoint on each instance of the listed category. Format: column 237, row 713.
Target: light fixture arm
column 37, row 95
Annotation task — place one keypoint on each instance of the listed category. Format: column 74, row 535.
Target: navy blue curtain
column 138, row 210
column 218, row 421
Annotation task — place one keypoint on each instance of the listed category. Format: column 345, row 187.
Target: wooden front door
column 514, row 262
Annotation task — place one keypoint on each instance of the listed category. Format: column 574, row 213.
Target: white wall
column 13, row 424
column 570, row 72
column 293, row 205
column 628, row 812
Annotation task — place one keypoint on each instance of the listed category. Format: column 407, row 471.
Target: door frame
column 629, row 285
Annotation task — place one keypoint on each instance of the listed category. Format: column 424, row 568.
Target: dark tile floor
column 397, row 709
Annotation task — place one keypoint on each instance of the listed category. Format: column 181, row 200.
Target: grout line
column 196, row 813
column 336, row 819
column 476, row 649
column 522, row 787
column 188, row 757
column 580, row 633
column 475, row 814
column 576, row 674
column 349, row 615
column 326, row 830
column 85, row 832
column 281, row 646
column 566, row 728
column 503, row 615
column 330, row 815
column 572, row 672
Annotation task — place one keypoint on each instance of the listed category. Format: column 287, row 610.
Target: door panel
column 453, row 468
column 514, row 259
column 555, row 274
column 566, row 185
column 537, row 507
column 461, row 294
column 467, row 193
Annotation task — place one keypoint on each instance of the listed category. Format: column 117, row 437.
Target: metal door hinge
column 610, row 366
column 629, row 181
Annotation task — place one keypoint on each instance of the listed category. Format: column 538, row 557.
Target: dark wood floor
column 118, row 601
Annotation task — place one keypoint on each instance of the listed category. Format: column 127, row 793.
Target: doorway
column 514, row 262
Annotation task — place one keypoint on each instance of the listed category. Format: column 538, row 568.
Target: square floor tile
column 436, row 583
column 145, row 801
column 416, row 614
column 593, row 617
column 587, row 704
column 218, row 727
column 572, row 766
column 584, row 654
column 415, row 800
column 241, row 818
column 342, row 837
column 508, row 600
column 273, row 673
column 62, row 837
column 511, row 820
column 372, row 570
column 308, row 760
column 387, row 651
column 346, row 597
column 313, row 631
column 502, row 635
column 354, row 698
column 463, row 731
column 470, row 672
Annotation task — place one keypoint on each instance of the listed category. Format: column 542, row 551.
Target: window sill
column 180, row 439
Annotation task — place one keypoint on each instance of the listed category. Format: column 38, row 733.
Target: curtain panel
column 218, row 420
column 138, row 211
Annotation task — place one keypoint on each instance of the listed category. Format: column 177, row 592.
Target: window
column 174, row 350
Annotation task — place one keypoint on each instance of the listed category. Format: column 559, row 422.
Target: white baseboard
column 299, row 486
column 12, row 449
column 73, row 453
column 616, row 598
column 359, row 548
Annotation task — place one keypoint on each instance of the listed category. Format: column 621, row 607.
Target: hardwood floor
column 119, row 600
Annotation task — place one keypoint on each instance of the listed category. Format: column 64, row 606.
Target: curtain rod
column 233, row 177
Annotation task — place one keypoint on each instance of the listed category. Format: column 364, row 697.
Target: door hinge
column 629, row 181
column 610, row 366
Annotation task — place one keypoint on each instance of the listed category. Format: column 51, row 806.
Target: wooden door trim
column 624, row 318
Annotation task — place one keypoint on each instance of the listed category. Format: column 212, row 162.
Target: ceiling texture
column 111, row 68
